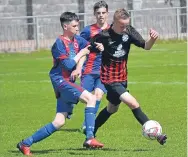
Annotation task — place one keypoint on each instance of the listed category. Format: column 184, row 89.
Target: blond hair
column 121, row 14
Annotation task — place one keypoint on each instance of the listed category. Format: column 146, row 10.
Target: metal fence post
column 132, row 17
column 178, row 22
column 85, row 20
column 37, row 31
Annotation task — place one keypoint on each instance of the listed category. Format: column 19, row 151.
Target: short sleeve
column 59, row 50
column 82, row 43
column 85, row 33
column 136, row 38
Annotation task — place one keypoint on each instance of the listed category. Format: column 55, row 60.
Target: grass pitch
column 157, row 79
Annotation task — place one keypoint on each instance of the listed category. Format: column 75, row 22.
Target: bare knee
column 59, row 120
column 134, row 105
column 128, row 99
column 98, row 96
column 98, row 93
column 88, row 98
column 58, row 123
column 91, row 100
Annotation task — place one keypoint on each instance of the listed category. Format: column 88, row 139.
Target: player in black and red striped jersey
column 117, row 41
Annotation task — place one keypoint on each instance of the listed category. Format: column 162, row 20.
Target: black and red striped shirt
column 116, row 51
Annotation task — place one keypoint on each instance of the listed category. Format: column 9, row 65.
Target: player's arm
column 78, row 71
column 138, row 40
column 82, row 52
column 59, row 53
column 97, row 42
column 153, row 37
column 135, row 37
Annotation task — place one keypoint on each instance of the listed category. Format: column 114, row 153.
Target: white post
column 37, row 31
column 85, row 20
column 132, row 17
column 178, row 22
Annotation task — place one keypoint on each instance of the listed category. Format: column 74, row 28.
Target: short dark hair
column 67, row 17
column 121, row 14
column 100, row 4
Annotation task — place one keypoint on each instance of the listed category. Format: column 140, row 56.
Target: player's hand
column 99, row 46
column 75, row 74
column 85, row 50
column 153, row 34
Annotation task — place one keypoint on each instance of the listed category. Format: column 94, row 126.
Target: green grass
column 157, row 79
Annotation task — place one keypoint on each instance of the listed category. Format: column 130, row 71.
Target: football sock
column 97, row 106
column 96, row 109
column 90, row 121
column 139, row 115
column 101, row 119
column 39, row 135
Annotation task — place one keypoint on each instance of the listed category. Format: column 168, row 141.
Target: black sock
column 101, row 119
column 140, row 116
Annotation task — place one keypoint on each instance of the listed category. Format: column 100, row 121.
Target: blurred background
column 29, row 25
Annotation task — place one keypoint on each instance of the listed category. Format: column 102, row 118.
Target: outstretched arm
column 153, row 37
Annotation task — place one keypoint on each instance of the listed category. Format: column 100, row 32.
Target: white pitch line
column 131, row 82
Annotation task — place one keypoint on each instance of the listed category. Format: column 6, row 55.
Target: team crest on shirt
column 125, row 37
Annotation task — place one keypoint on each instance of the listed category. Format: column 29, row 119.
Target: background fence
column 29, row 33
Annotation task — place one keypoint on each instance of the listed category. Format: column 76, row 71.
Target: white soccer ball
column 151, row 130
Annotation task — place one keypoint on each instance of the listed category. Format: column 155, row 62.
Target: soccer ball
column 151, row 130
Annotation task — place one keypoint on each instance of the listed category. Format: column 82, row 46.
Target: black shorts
column 114, row 91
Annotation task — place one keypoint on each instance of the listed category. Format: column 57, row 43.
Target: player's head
column 101, row 11
column 70, row 23
column 121, row 20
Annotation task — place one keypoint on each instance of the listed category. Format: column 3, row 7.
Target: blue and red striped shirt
column 63, row 52
column 93, row 62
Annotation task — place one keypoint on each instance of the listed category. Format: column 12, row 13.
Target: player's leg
column 62, row 111
column 87, row 82
column 98, row 91
column 113, row 105
column 104, row 115
column 44, row 132
column 132, row 103
column 72, row 95
column 90, row 101
column 141, row 117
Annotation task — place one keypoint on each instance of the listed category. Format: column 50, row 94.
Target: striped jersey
column 116, row 51
column 63, row 52
column 93, row 62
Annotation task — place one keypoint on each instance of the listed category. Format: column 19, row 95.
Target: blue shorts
column 67, row 94
column 91, row 82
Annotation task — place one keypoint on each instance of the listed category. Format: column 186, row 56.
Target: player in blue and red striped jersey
column 67, row 50
column 90, row 79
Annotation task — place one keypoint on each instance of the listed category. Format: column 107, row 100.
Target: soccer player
column 117, row 41
column 90, row 79
column 66, row 52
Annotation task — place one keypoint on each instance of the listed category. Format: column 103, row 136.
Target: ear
column 65, row 26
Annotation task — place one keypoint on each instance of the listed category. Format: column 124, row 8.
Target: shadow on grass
column 70, row 130
column 82, row 151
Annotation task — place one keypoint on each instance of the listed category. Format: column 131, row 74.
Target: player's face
column 101, row 15
column 119, row 25
column 72, row 28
